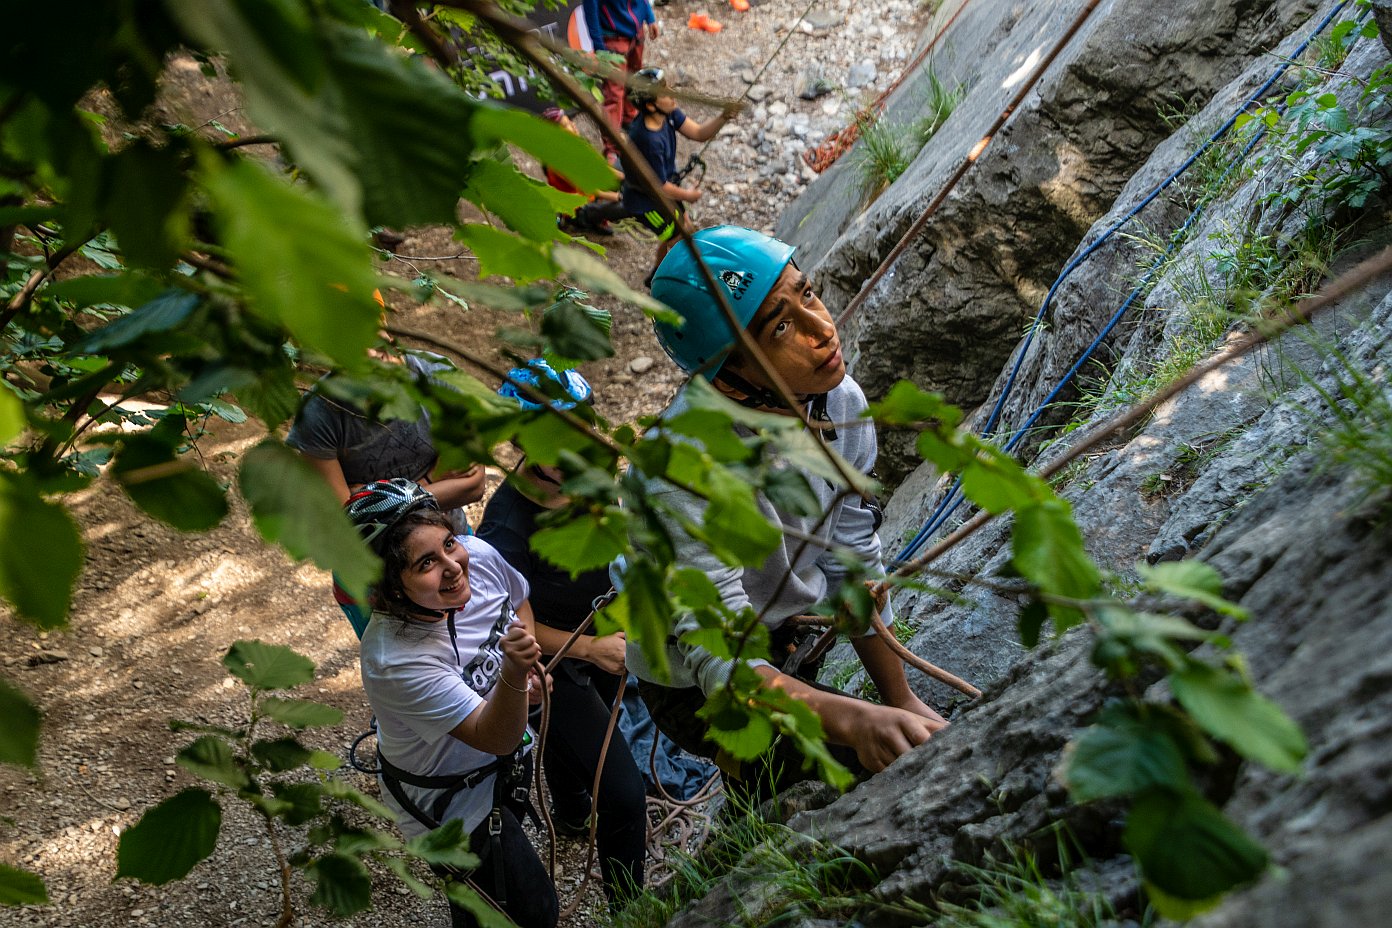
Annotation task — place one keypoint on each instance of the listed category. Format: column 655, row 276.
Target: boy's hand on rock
column 886, row 732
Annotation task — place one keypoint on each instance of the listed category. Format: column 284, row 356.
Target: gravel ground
column 155, row 610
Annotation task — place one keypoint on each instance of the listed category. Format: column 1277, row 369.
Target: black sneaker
column 570, row 827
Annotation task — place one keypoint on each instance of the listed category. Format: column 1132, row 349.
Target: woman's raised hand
column 520, row 652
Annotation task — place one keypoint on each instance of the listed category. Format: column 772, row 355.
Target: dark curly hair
column 390, row 595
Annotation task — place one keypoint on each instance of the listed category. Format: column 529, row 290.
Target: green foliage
column 784, row 877
column 885, row 152
column 288, row 786
column 20, row 887
column 19, row 740
column 1018, row 889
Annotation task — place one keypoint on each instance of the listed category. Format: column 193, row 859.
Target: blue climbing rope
column 953, row 499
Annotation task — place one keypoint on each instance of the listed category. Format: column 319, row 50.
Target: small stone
column 138, row 684
column 123, row 803
column 641, row 364
column 46, row 656
column 778, row 108
column 759, row 93
column 862, row 74
column 95, row 651
column 747, row 75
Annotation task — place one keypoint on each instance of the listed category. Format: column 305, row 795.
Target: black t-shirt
column 509, row 522
column 659, row 148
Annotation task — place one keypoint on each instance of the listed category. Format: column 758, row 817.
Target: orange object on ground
column 703, row 22
column 740, row 6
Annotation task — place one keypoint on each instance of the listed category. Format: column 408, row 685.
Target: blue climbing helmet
column 568, row 388
column 748, row 263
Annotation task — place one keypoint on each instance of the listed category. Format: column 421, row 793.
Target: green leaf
column 595, row 275
column 735, row 726
column 522, row 203
column 170, row 839
column 403, row 873
column 1031, row 622
column 644, row 611
column 907, row 404
column 304, row 801
column 713, row 430
column 1122, row 755
column 164, row 313
column 570, row 154
column 1187, row 848
column 167, row 487
column 504, row 254
column 343, row 884
column 130, row 289
column 212, row 759
column 1234, row 713
column 264, row 666
column 281, row 754
column 446, row 846
column 573, row 333
column 410, row 130
column 739, row 532
column 587, row 543
column 1047, row 549
column 145, row 206
column 337, row 789
column 1193, row 580
column 300, row 713
column 293, row 506
column 467, row 898
column 997, row 483
column 37, row 576
column 19, row 736
column 323, row 760
column 302, row 264
column 20, row 887
column 270, row 395
column 12, row 420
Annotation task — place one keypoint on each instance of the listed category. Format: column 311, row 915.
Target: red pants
column 616, row 103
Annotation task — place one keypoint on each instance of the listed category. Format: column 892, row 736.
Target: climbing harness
column 954, row 498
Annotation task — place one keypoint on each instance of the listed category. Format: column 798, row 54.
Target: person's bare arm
column 453, row 489
column 878, row 734
column 886, row 670
column 681, row 194
column 606, row 653
column 332, row 472
column 705, row 131
column 496, row 727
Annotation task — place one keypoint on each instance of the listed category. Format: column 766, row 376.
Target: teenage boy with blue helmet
column 778, row 308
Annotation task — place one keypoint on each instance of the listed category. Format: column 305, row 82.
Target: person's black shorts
column 657, row 225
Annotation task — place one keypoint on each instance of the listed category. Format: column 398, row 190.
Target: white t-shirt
column 422, row 685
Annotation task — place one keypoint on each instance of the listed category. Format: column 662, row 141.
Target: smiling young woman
column 447, row 658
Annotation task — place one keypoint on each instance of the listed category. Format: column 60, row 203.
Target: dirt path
column 155, row 609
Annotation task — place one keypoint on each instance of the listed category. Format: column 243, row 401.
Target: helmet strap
column 765, row 398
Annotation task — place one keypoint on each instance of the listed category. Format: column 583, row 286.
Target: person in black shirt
column 589, row 679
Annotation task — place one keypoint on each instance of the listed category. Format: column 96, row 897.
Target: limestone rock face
column 1240, row 470
column 955, row 304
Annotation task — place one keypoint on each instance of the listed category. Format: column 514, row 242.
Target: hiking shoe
column 570, row 827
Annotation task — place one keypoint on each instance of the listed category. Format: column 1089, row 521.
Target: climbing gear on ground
column 382, row 503
column 566, row 389
column 748, row 263
column 703, row 23
column 645, row 85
